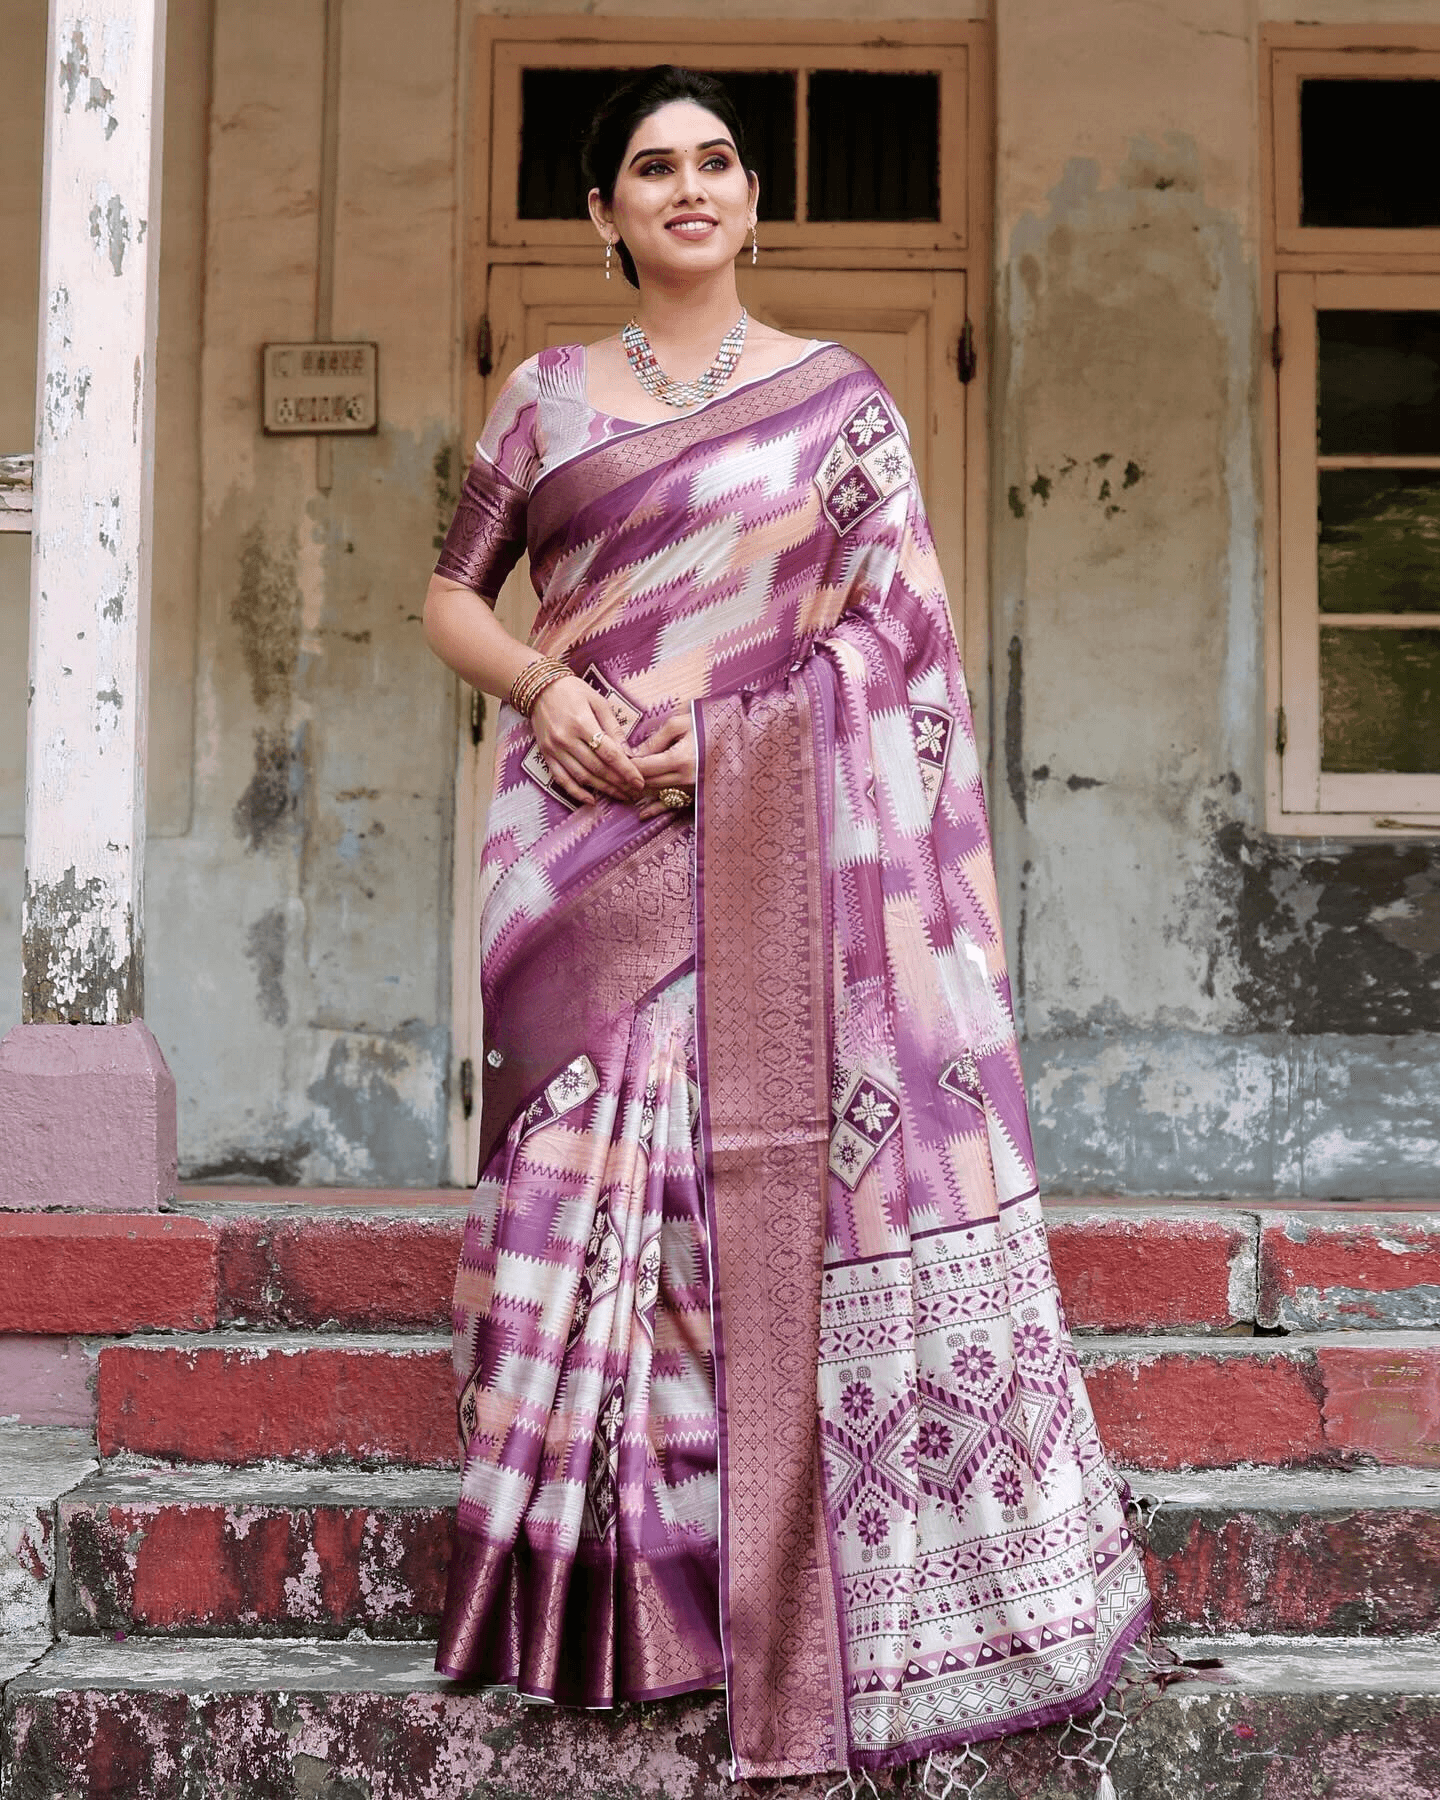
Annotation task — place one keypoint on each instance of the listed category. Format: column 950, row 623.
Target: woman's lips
column 692, row 228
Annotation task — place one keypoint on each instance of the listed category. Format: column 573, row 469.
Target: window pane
column 1380, row 701
column 556, row 106
column 1379, row 379
column 1367, row 154
column 1380, row 540
column 874, row 145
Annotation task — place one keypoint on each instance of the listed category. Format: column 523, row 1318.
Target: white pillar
column 90, row 556
column 87, row 1107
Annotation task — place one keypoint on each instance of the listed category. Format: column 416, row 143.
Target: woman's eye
column 655, row 168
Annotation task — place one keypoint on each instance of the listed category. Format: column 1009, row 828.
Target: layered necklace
column 655, row 381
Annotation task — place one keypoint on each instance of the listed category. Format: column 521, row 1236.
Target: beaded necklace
column 655, row 381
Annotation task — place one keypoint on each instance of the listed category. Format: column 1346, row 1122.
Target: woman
column 763, row 1377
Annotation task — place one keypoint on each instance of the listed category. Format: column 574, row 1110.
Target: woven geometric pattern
column 761, row 1366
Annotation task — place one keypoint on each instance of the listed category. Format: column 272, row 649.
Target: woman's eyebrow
column 709, row 144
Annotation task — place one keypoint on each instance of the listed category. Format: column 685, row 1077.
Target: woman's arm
column 464, row 633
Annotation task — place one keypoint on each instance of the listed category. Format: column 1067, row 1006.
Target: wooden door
column 905, row 323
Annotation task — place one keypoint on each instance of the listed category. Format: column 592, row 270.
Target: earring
column 754, row 244
column 609, row 247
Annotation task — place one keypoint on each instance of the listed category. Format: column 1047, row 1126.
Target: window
column 1354, row 254
column 849, row 139
column 557, row 104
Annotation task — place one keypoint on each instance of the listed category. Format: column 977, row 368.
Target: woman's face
column 683, row 203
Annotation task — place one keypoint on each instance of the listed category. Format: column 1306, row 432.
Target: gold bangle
column 532, row 681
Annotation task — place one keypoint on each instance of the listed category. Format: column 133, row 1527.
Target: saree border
column 605, row 470
column 762, row 1051
column 636, row 428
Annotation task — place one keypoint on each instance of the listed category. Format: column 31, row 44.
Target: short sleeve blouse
column 541, row 418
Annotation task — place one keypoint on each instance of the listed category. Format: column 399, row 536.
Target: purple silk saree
column 763, row 1376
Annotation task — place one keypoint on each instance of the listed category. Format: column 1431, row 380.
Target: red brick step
column 295, row 1552
column 1162, row 1403
column 299, row 1397
column 277, row 1552
column 1313, row 1551
column 314, row 1259
column 106, row 1272
column 1333, row 1270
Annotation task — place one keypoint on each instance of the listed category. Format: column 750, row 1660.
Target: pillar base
column 87, row 1119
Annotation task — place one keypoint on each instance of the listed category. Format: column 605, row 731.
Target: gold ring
column 594, row 743
column 673, row 797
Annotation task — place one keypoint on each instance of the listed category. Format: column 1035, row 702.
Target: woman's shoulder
column 515, row 431
column 549, row 371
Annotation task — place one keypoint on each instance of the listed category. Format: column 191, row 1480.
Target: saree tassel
column 1106, row 1789
column 955, row 1778
column 853, row 1787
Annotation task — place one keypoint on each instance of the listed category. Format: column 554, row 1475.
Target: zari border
column 913, row 1749
column 762, row 1048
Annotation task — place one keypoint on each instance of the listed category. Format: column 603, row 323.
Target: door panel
column 904, row 323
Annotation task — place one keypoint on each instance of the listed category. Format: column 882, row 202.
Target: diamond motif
column 602, row 1501
column 932, row 726
column 868, row 1113
column 572, row 1087
column 867, row 463
column 869, row 424
column 961, row 1077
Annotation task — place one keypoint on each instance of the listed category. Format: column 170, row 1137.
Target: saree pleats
column 587, row 1567
column 762, row 1372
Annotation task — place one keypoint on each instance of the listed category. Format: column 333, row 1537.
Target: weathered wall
column 1208, row 1009
column 297, row 974
column 297, row 950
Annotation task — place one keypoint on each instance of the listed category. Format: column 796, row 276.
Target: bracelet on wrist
column 533, row 680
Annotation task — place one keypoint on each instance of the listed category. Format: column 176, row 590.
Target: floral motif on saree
column 763, row 1376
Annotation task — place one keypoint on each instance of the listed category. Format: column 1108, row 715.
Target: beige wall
column 1208, row 1008
column 297, row 966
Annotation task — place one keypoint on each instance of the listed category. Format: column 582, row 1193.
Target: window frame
column 1305, row 270
column 949, row 55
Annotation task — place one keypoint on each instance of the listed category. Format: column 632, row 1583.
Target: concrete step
column 1315, row 1399
column 346, row 1262
column 276, row 1551
column 37, row 1465
column 290, row 1552
column 1294, row 1551
column 175, row 1721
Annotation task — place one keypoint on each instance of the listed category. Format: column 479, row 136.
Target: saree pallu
column 763, row 1375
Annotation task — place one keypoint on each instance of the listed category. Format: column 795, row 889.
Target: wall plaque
column 313, row 388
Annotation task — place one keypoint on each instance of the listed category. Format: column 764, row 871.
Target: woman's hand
column 565, row 720
column 666, row 759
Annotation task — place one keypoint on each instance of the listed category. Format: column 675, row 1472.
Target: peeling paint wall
column 299, row 933
column 297, row 914
column 1207, row 1009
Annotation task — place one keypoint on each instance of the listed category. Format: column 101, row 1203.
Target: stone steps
column 290, row 1552
column 380, row 1266
column 1321, row 1399
column 248, row 1721
column 1270, row 1377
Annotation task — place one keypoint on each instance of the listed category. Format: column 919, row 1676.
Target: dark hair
column 621, row 114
